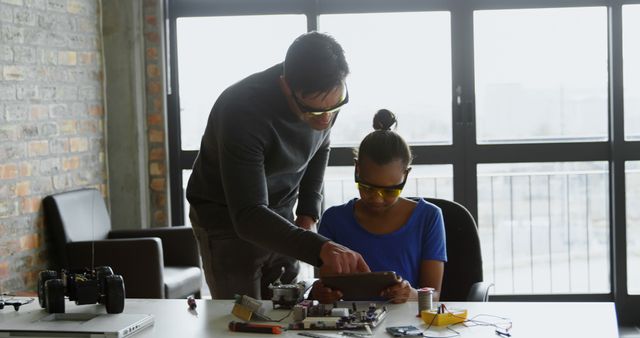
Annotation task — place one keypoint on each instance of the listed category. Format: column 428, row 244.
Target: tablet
column 362, row 285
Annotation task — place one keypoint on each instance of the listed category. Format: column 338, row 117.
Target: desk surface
column 173, row 319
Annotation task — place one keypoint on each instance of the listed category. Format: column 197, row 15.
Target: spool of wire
column 425, row 299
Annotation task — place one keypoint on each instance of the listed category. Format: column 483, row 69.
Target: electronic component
column 404, row 331
column 309, row 315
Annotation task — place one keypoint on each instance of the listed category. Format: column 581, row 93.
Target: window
column 209, row 61
column 544, row 227
column 541, row 75
column 398, row 61
column 631, row 54
column 633, row 226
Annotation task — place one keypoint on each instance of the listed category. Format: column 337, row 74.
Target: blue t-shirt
column 402, row 251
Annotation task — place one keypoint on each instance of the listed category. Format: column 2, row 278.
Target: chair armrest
column 479, row 292
column 178, row 243
column 139, row 261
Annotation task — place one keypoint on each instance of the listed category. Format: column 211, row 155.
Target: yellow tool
column 448, row 317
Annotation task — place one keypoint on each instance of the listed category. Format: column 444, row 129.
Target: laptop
column 40, row 324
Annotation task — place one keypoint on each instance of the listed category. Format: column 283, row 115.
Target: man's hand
column 306, row 222
column 400, row 292
column 340, row 259
column 323, row 294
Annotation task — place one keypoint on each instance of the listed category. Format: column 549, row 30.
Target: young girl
column 392, row 233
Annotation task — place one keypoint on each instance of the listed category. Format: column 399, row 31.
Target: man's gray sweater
column 256, row 158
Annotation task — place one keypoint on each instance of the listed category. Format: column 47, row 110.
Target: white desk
column 173, row 319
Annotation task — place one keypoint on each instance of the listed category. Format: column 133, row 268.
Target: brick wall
column 51, row 121
column 156, row 121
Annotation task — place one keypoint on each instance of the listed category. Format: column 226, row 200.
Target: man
column 266, row 145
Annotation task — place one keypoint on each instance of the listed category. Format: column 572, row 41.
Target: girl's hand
column 400, row 292
column 323, row 294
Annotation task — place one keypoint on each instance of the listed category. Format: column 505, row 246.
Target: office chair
column 462, row 280
column 154, row 263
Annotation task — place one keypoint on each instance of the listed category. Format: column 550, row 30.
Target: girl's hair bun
column 384, row 120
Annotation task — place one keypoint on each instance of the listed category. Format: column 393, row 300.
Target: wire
column 281, row 319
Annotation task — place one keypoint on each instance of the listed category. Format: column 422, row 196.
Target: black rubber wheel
column 54, row 294
column 102, row 272
column 44, row 276
column 114, row 294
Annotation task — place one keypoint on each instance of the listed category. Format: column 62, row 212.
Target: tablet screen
column 362, row 285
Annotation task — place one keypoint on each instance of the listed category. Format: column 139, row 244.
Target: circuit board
column 309, row 315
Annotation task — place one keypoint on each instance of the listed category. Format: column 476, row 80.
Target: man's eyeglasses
column 319, row 111
column 392, row 191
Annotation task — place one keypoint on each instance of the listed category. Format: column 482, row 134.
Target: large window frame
column 464, row 153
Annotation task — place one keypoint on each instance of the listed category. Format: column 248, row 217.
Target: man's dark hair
column 384, row 145
column 315, row 63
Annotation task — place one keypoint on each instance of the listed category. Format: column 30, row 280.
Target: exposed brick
column 38, row 4
column 6, row 14
column 89, row 126
column 39, row 112
column 12, row 34
column 156, row 136
column 86, row 25
column 160, row 216
column 26, row 169
column 153, row 71
column 88, row 93
column 24, row 54
column 152, row 53
column 152, row 20
column 156, row 154
column 59, row 146
column 68, row 127
column 27, row 92
column 70, row 163
column 6, row 53
column 156, row 169
column 57, row 5
column 62, row 182
column 158, row 184
column 158, row 103
column 49, row 166
column 7, row 191
column 24, row 17
column 9, row 133
column 152, row 37
column 76, row 6
column 38, row 148
column 4, row 269
column 67, row 58
column 10, row 151
column 96, row 111
column 85, row 58
column 8, row 171
column 41, row 186
column 13, row 2
column 154, row 87
column 29, row 242
column 77, row 144
column 23, row 188
column 8, row 208
column 154, row 119
column 7, row 92
column 17, row 112
column 48, row 56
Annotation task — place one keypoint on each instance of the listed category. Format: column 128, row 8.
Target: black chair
column 462, row 280
column 154, row 263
